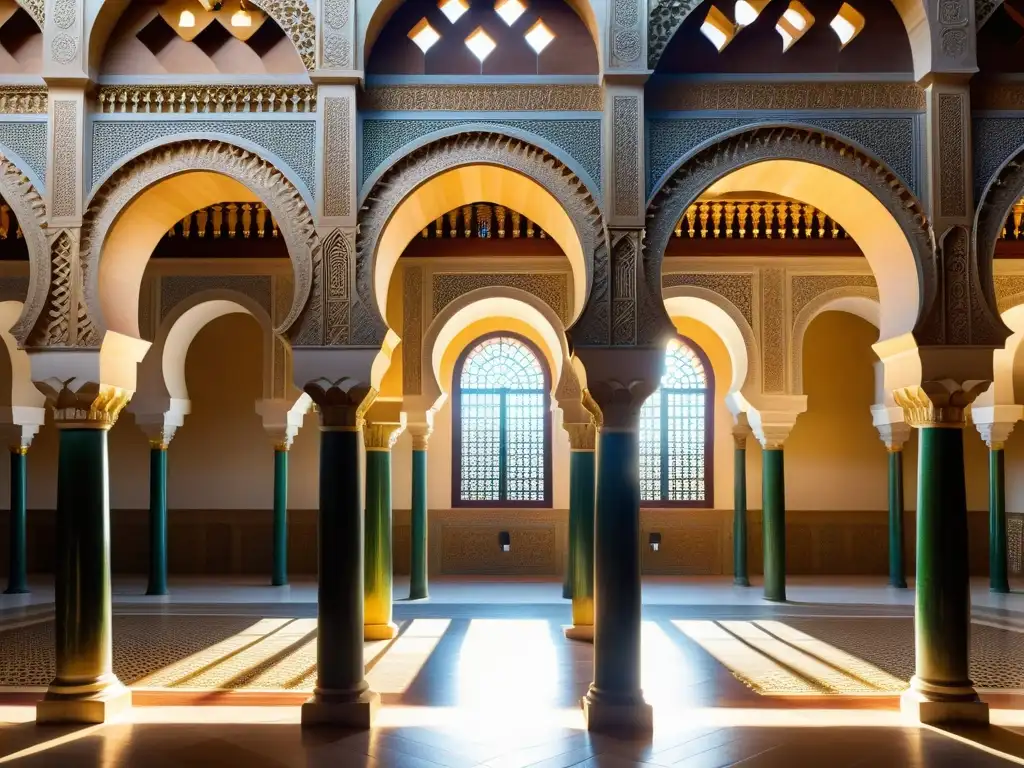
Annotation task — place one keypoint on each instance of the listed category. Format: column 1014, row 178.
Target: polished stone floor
column 482, row 676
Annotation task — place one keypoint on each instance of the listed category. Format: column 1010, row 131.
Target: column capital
column 894, row 434
column 773, row 417
column 938, row 403
column 582, row 437
column 282, row 418
column 79, row 404
column 739, row 437
column 23, row 423
column 420, row 435
column 615, row 400
column 381, row 435
column 160, row 428
column 996, row 422
column 342, row 404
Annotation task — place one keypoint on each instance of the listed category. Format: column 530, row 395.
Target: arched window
column 501, row 425
column 676, row 432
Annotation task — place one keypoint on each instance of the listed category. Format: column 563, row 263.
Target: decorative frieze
column 805, row 288
column 773, row 330
column 177, row 288
column 786, row 96
column 551, row 288
column 23, row 100
column 193, row 99
column 412, row 329
column 737, row 287
column 481, row 98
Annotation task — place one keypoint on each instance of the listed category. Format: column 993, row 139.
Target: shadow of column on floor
column 1004, row 742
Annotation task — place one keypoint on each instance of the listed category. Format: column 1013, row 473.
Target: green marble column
column 941, row 689
column 84, row 689
column 418, row 555
column 997, row 555
column 279, row 575
column 615, row 699
column 17, row 576
column 157, row 584
column 581, row 530
column 773, row 523
column 379, row 574
column 739, row 515
column 897, row 565
column 342, row 696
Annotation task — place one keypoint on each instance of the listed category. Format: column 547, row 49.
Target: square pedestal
column 920, row 709
column 344, row 714
column 582, row 632
column 633, row 719
column 380, row 631
column 98, row 708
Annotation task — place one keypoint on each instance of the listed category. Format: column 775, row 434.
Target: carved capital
column 81, row 404
column 342, row 404
column 19, row 436
column 619, row 402
column 381, row 436
column 938, row 403
column 894, row 435
column 582, row 437
column 619, row 380
column 739, row 437
column 995, row 434
column 420, row 436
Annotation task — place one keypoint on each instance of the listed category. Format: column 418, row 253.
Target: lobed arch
column 21, row 192
column 1001, row 392
column 372, row 15
column 868, row 200
column 727, row 321
column 667, row 16
column 465, row 168
column 129, row 213
column 296, row 19
column 497, row 302
column 861, row 301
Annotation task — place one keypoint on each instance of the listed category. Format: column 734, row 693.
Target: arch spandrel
column 29, row 209
column 243, row 171
column 422, row 165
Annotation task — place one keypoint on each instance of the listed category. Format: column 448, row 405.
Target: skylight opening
column 539, row 36
column 424, row 35
column 510, row 10
column 453, row 9
column 793, row 24
column 481, row 44
column 718, row 29
column 847, row 24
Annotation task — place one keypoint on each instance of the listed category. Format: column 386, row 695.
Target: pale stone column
column 894, row 435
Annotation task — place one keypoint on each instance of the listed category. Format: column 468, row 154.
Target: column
column 342, row 696
column 895, row 435
column 418, row 555
column 379, row 438
column 941, row 689
column 615, row 701
column 157, row 517
column 582, row 442
column 995, row 434
column 739, row 515
column 279, row 574
column 773, row 522
column 84, row 689
column 17, row 575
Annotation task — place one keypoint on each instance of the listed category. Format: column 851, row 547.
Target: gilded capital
column 420, row 436
column 582, row 437
column 342, row 404
column 938, row 403
column 381, row 436
column 894, row 435
column 85, row 405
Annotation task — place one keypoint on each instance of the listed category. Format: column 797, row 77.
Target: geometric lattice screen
column 675, row 456
column 500, row 415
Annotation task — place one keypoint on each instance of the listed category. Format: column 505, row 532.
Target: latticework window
column 501, row 425
column 676, row 432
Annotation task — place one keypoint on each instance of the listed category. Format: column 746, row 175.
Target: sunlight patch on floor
column 511, row 663
column 397, row 669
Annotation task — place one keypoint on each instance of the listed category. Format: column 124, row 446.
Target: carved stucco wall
column 995, row 140
column 27, row 140
column 894, row 140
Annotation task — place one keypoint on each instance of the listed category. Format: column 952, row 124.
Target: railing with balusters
column 230, row 219
column 479, row 219
column 755, row 219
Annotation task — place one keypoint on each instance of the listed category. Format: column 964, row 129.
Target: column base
column 346, row 712
column 581, row 632
column 626, row 717
column 1000, row 590
column 418, row 595
column 16, row 591
column 278, row 583
column 930, row 709
column 154, row 592
column 380, row 631
column 741, row 581
column 775, row 598
column 89, row 708
column 902, row 584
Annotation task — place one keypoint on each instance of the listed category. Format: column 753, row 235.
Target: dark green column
column 997, row 557
column 418, row 565
column 739, row 515
column 379, row 574
column 17, row 576
column 581, row 533
column 85, row 689
column 773, row 523
column 941, row 688
column 897, row 565
column 342, row 695
column 279, row 576
column 615, row 699
column 157, row 518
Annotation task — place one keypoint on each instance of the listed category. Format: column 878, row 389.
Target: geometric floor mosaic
column 783, row 656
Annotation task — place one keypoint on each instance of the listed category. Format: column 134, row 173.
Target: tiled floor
column 481, row 676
